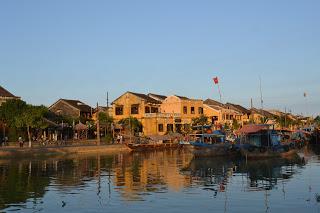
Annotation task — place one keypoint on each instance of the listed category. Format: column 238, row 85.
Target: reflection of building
column 154, row 171
column 6, row 95
column 71, row 108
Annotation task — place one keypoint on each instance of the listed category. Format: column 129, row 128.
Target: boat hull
column 147, row 147
column 210, row 150
column 257, row 154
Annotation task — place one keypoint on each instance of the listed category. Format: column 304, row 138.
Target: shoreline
column 17, row 152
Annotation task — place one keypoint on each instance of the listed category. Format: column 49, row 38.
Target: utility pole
column 98, row 126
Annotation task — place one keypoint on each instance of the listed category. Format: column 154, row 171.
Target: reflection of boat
column 262, row 174
column 262, row 141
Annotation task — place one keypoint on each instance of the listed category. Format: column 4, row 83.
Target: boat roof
column 253, row 128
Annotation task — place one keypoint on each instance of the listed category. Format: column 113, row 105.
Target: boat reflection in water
column 158, row 181
column 260, row 174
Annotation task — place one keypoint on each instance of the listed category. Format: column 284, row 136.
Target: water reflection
column 259, row 174
column 136, row 177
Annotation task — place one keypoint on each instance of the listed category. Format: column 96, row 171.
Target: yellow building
column 139, row 106
column 183, row 110
column 220, row 114
column 158, row 114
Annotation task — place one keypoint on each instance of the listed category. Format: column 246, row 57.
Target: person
column 2, row 141
column 5, row 141
column 20, row 141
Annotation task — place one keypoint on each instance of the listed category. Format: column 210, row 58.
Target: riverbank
column 14, row 152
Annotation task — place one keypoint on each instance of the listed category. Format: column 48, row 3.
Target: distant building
column 220, row 113
column 245, row 118
column 6, row 95
column 71, row 108
column 260, row 116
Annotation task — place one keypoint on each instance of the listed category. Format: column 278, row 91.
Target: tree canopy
column 132, row 124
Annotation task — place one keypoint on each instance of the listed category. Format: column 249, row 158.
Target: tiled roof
column 182, row 97
column 5, row 93
column 253, row 128
column 160, row 97
column 211, row 102
column 78, row 104
column 239, row 108
column 146, row 98
column 262, row 112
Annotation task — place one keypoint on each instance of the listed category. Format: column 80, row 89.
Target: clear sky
column 80, row 49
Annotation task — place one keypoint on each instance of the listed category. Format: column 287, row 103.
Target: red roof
column 247, row 129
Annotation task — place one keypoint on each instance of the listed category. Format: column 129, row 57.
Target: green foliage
column 132, row 124
column 226, row 126
column 200, row 121
column 11, row 110
column 235, row 124
column 317, row 120
column 263, row 120
column 285, row 121
column 18, row 114
column 105, row 119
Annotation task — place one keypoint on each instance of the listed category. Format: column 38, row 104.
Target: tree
column 32, row 117
column 200, row 121
column 105, row 120
column 18, row 114
column 235, row 124
column 131, row 123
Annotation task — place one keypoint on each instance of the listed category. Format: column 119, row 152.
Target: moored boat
column 262, row 141
column 156, row 142
column 210, row 144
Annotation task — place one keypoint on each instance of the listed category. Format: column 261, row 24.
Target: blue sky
column 81, row 49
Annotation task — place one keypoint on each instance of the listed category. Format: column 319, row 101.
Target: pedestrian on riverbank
column 20, row 141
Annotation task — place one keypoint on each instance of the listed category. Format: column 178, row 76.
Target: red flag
column 216, row 80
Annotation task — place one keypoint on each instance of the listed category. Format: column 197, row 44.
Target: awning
column 249, row 129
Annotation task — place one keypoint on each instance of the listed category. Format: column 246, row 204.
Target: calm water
column 169, row 181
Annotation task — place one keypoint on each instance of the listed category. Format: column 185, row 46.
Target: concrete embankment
column 15, row 152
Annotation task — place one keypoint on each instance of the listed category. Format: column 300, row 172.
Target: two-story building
column 157, row 113
column 72, row 108
column 6, row 95
column 245, row 113
column 219, row 113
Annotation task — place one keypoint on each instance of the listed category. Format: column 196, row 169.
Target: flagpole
column 220, row 93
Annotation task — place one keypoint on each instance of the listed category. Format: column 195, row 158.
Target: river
column 163, row 181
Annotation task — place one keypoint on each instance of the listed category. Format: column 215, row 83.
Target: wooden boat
column 210, row 144
column 155, row 142
column 262, row 141
column 263, row 153
column 152, row 146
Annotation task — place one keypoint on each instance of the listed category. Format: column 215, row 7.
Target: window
column 169, row 127
column 147, row 109
column 154, row 110
column 119, row 110
column 135, row 109
column 192, row 110
column 200, row 110
column 185, row 110
column 160, row 127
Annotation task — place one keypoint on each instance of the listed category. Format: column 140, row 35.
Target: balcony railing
column 162, row 115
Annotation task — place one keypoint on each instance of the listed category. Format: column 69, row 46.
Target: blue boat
column 262, row 141
column 210, row 144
